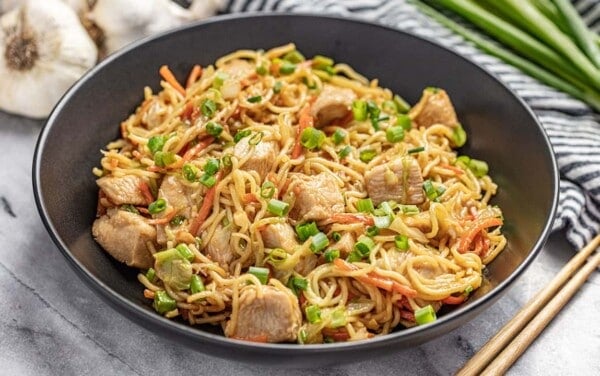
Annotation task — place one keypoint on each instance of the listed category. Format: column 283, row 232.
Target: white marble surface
column 52, row 324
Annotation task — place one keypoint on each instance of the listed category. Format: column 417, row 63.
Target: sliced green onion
column 256, row 138
column 287, row 67
column 331, row 254
column 338, row 318
column 294, row 57
column 164, row 158
column 156, row 143
column 157, row 206
column 212, row 166
column 241, row 134
column 177, row 220
column 319, row 242
column 312, row 138
column 373, row 110
column 463, row 161
column 372, row 231
column 425, row 315
column 277, row 256
column 190, row 172
column 401, row 242
column 336, row 236
column 430, row 190
column 401, row 104
column 208, row 107
column 196, row 285
column 302, row 336
column 440, row 190
column 267, row 190
column 220, row 77
column 459, row 136
column 151, row 274
column 261, row 70
column 261, row 273
column 208, row 180
column 185, row 252
column 394, row 134
column 277, row 87
column 321, row 62
column 130, row 208
column 365, row 205
column 389, row 107
column 306, row 230
column 279, row 208
column 226, row 160
column 297, row 284
column 404, row 122
column 255, row 99
column 213, row 128
column 354, row 256
column 382, row 221
column 163, row 303
column 313, row 314
column 338, row 136
column 416, row 150
column 364, row 245
column 386, row 208
column 345, row 151
column 479, row 168
column 409, row 209
column 468, row 290
column 367, row 155
column 359, row 110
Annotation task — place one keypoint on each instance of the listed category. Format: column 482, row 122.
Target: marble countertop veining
column 53, row 324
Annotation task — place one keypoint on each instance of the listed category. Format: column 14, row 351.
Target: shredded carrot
column 163, row 220
column 149, row 294
column 168, row 76
column 146, row 192
column 194, row 74
column 376, row 280
column 338, row 335
column 206, row 207
column 250, row 197
column 407, row 315
column 454, row 300
column 467, row 240
column 349, row 218
column 306, row 120
column 193, row 151
column 190, row 112
column 456, row 170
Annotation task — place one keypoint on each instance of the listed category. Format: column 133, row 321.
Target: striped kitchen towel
column 573, row 128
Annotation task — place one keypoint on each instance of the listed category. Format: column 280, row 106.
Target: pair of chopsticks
column 500, row 352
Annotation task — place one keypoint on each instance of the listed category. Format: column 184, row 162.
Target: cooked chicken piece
column 318, row 197
column 218, row 247
column 123, row 190
column 176, row 194
column 434, row 107
column 331, row 104
column 399, row 180
column 238, row 69
column 262, row 155
column 279, row 235
column 124, row 236
column 306, row 264
column 275, row 316
column 344, row 245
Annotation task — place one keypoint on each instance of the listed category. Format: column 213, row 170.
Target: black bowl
column 502, row 131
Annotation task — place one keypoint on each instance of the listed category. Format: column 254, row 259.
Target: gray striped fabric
column 573, row 128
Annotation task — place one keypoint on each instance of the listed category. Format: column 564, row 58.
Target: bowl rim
column 196, row 334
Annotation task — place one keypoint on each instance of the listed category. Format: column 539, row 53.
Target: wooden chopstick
column 510, row 332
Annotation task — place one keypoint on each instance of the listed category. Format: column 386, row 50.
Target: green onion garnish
column 313, row 314
column 382, row 221
column 241, row 134
column 336, row 236
column 364, row 245
column 416, row 150
column 394, row 134
column 463, row 161
column 404, row 122
column 267, row 190
column 401, row 242
column 425, row 315
column 297, row 284
column 359, row 110
column 163, row 303
column 345, row 151
column 208, row 107
column 372, row 231
column 157, row 206
column 287, row 67
column 185, row 252
column 479, row 168
column 255, row 99
column 430, row 190
column 459, row 136
column 312, row 138
column 226, row 160
column 277, row 256
column 220, row 77
column 338, row 136
column 338, row 318
column 196, row 284
column 306, row 230
column 151, row 274
column 261, row 70
column 331, row 254
column 163, row 158
column 190, row 172
column 212, row 166
column 367, row 155
column 386, row 208
column 277, row 87
column 365, row 205
column 177, row 220
column 261, row 273
column 208, row 180
column 294, row 57
column 409, row 209
column 354, row 256
column 279, row 208
column 130, row 208
column 401, row 104
column 389, row 107
column 256, row 138
column 321, row 62
column 468, row 290
column 213, row 128
column 319, row 242
column 156, row 143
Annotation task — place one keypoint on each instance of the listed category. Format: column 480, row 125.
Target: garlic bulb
column 124, row 21
column 43, row 51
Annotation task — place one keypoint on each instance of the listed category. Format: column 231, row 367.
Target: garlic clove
column 43, row 51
